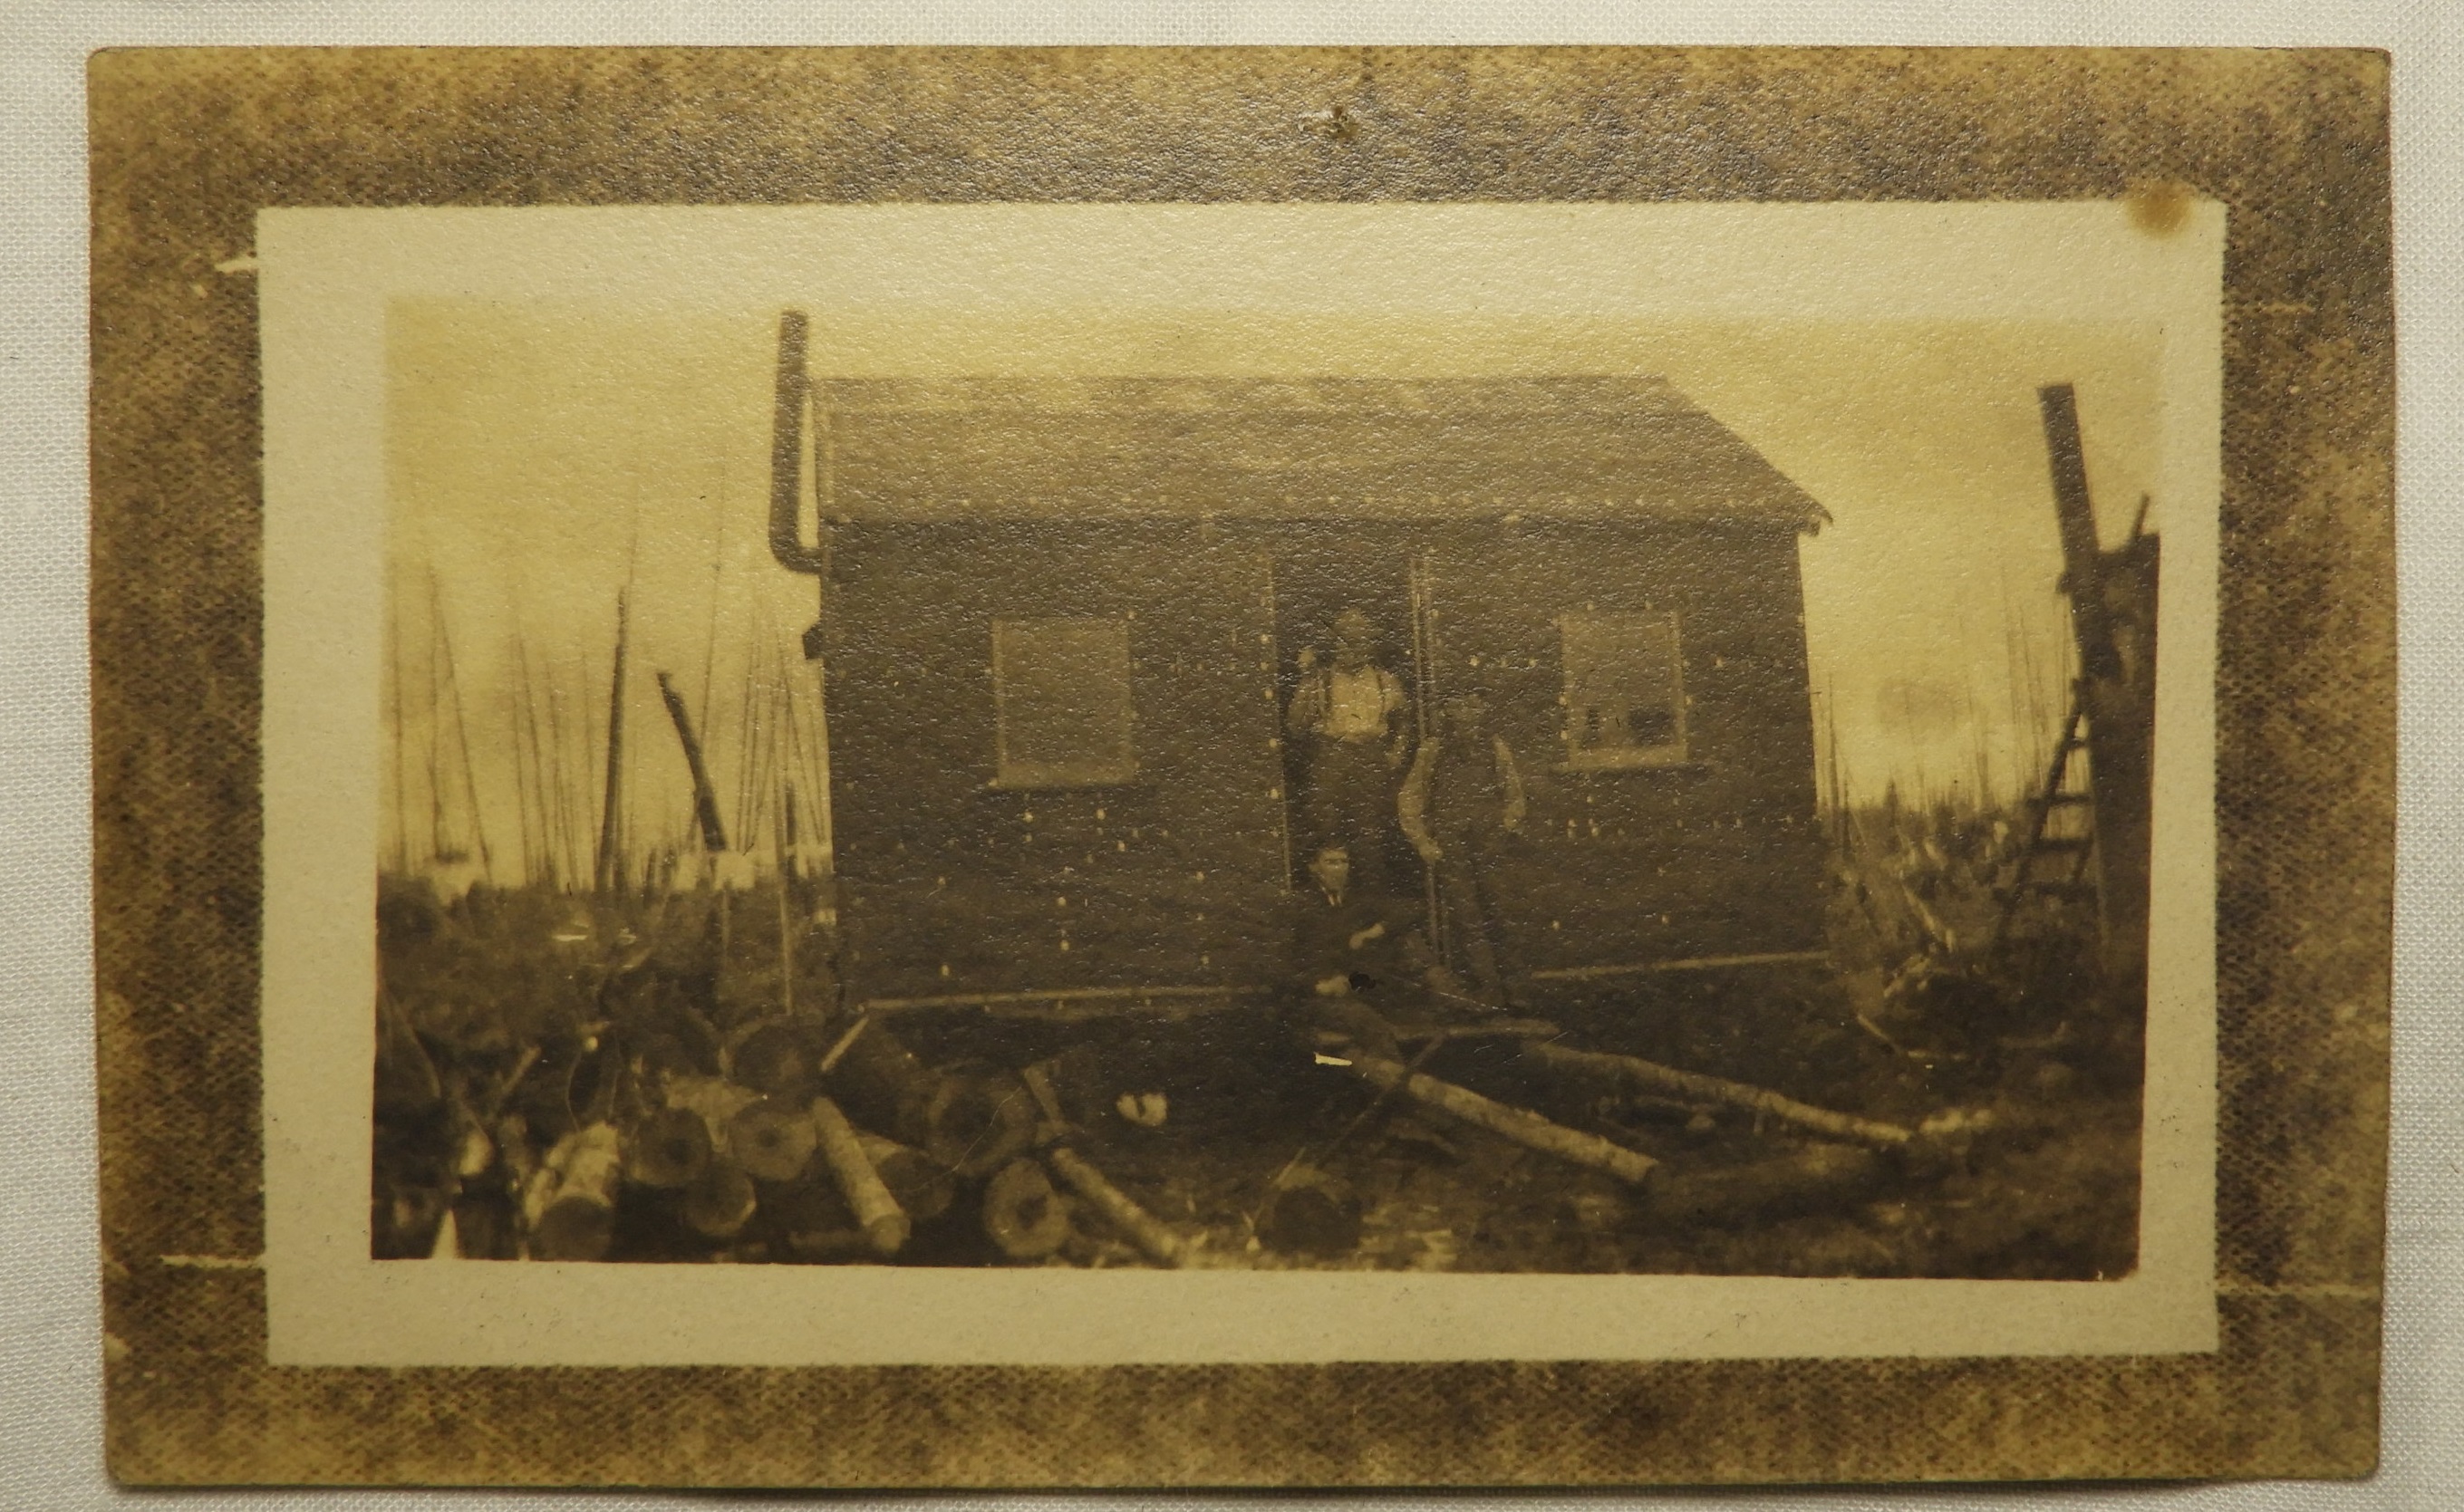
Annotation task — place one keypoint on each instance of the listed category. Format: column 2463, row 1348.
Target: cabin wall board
column 956, row 885
column 1717, row 854
column 1175, row 877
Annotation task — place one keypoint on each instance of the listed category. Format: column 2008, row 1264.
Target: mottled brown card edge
column 188, row 145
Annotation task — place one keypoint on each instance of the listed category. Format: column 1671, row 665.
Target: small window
column 1625, row 693
column 1061, row 696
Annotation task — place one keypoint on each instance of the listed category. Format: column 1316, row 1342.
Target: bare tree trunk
column 1526, row 1128
column 1647, row 1076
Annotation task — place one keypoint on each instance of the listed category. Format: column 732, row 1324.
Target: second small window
column 1625, row 690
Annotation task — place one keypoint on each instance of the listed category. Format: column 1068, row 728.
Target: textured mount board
column 188, row 146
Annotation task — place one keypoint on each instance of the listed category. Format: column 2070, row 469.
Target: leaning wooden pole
column 2082, row 560
column 714, row 835
column 1526, row 1129
column 605, row 875
column 1665, row 1081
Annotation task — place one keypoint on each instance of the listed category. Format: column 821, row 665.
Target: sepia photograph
column 1375, row 822
column 1137, row 767
column 1565, row 785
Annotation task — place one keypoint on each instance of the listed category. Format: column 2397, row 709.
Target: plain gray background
column 50, row 1334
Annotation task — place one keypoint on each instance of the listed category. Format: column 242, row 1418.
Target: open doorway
column 1343, row 600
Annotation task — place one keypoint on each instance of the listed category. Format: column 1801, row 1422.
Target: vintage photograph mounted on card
column 1273, row 777
column 1287, row 785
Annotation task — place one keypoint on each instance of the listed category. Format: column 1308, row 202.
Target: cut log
column 879, row 1084
column 1650, row 1077
column 827, row 1245
column 1157, row 1242
column 876, row 1211
column 668, row 1149
column 1808, row 1180
column 715, row 1098
column 1040, row 1081
column 773, row 1057
column 1097, row 1252
column 772, row 1141
column 809, row 1221
column 1310, row 1211
column 978, row 1120
column 720, row 1201
column 570, row 1207
column 1022, row 1215
column 1526, row 1128
column 923, row 1189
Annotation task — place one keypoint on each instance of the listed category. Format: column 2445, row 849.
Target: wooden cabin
column 1061, row 620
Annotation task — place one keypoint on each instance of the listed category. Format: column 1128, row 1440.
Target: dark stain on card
column 2161, row 207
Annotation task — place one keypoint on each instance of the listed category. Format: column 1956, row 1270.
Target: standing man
column 1352, row 717
column 1464, row 794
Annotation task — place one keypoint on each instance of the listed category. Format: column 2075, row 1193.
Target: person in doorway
column 1462, row 796
column 1353, row 719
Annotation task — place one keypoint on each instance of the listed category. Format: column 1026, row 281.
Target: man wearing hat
column 1353, row 719
column 1463, row 795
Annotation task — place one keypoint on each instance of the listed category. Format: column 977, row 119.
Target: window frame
column 1674, row 753
column 1011, row 774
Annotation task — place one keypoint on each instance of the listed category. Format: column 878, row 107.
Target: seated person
column 1349, row 956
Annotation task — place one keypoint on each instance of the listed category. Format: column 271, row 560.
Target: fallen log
column 876, row 1211
column 720, row 1201
column 1650, row 1077
column 570, row 1205
column 1095, row 1252
column 1526, row 1128
column 810, row 1219
column 1494, row 1029
column 1807, row 1180
column 924, row 1190
column 1159, row 1244
column 1023, row 1217
column 823, row 1246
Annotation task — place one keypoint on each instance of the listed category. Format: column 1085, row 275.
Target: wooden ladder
column 2049, row 865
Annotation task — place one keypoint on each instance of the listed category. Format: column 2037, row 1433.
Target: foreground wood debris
column 827, row 1138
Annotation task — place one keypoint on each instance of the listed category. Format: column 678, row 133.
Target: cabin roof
column 1587, row 447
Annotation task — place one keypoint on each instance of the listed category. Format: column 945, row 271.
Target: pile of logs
column 821, row 1140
